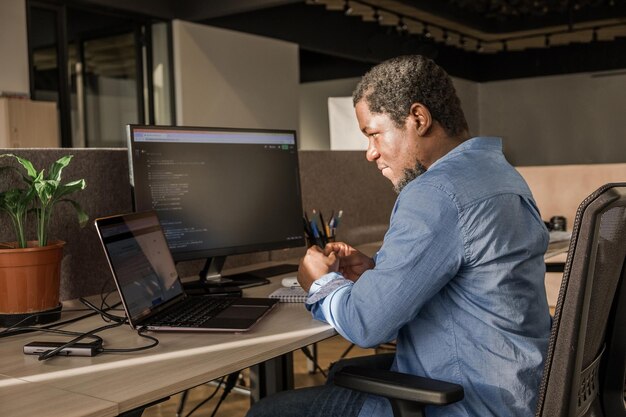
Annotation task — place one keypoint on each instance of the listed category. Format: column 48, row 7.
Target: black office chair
column 586, row 360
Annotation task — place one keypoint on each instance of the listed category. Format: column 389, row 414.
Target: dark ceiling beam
column 162, row 9
column 334, row 45
column 195, row 10
column 501, row 24
column 323, row 67
column 315, row 29
column 557, row 60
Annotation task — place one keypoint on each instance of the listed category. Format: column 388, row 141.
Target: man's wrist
column 325, row 285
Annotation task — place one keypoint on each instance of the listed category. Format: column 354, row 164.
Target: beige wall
column 13, row 47
column 566, row 119
column 468, row 94
column 231, row 79
column 556, row 120
column 559, row 190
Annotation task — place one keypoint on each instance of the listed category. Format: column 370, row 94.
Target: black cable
column 121, row 320
column 231, row 380
column 50, row 353
column 102, row 296
column 103, row 313
column 137, row 349
column 103, row 303
column 206, row 400
column 117, row 321
column 312, row 359
column 59, row 331
column 14, row 329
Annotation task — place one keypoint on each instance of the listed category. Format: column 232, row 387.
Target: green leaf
column 15, row 203
column 69, row 188
column 45, row 191
column 26, row 178
column 40, row 195
column 57, row 167
column 83, row 217
column 28, row 166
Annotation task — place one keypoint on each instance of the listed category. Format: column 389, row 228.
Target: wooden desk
column 112, row 384
column 19, row 398
column 179, row 362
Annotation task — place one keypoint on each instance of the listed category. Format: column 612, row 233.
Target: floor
column 237, row 403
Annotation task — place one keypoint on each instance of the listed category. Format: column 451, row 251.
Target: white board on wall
column 345, row 134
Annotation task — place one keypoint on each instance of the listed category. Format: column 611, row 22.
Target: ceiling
column 480, row 40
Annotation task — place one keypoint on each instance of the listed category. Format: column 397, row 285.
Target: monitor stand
column 212, row 281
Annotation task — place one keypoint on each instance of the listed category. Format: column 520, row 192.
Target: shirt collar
column 487, row 143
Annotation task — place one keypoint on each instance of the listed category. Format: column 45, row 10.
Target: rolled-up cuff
column 324, row 286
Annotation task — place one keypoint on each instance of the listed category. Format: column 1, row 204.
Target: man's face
column 395, row 150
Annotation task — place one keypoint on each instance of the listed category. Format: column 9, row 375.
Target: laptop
column 151, row 291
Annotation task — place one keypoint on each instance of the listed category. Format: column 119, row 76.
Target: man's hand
column 352, row 263
column 314, row 265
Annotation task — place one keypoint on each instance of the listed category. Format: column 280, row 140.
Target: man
column 458, row 281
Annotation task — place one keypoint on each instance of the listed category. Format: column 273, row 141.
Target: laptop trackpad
column 242, row 312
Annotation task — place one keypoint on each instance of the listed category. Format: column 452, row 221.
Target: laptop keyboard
column 192, row 312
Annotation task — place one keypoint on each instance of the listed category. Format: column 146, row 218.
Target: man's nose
column 371, row 154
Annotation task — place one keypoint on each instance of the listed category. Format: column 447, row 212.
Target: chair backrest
column 585, row 365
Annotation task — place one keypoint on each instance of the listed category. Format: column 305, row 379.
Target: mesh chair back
column 584, row 369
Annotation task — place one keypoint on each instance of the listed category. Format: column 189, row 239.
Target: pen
column 316, row 233
column 307, row 228
column 324, row 230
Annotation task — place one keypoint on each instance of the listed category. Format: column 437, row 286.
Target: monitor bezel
column 222, row 251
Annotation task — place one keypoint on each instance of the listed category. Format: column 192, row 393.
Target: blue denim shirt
column 458, row 283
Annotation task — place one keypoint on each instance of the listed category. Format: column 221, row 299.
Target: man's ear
column 421, row 116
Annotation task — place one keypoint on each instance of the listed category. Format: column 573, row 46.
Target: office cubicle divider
column 330, row 180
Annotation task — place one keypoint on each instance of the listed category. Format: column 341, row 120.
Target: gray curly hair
column 394, row 85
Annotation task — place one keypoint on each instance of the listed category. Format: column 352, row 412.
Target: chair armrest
column 396, row 385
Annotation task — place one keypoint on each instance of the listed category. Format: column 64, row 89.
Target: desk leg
column 271, row 376
column 310, row 364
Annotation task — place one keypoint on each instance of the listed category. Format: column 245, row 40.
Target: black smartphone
column 77, row 349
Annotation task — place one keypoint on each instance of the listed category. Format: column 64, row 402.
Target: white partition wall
column 565, row 119
column 225, row 78
column 13, row 47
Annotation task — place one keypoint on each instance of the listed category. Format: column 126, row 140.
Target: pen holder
column 321, row 242
column 319, row 232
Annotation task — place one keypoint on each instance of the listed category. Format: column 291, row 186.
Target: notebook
column 289, row 295
column 151, row 292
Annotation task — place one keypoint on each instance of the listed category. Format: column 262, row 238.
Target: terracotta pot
column 30, row 278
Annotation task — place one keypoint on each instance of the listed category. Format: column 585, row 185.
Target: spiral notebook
column 289, row 295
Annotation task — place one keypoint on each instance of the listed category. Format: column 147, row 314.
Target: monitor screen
column 218, row 191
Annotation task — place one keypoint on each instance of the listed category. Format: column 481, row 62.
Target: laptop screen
column 142, row 265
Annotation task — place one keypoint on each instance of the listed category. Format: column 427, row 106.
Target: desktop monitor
column 219, row 192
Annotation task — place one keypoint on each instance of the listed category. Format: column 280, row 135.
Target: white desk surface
column 180, row 361
column 110, row 384
column 19, row 398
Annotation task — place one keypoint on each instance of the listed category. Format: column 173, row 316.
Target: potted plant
column 30, row 271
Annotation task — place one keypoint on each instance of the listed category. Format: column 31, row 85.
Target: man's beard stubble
column 409, row 175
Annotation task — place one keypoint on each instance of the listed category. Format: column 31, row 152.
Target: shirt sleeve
column 422, row 251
